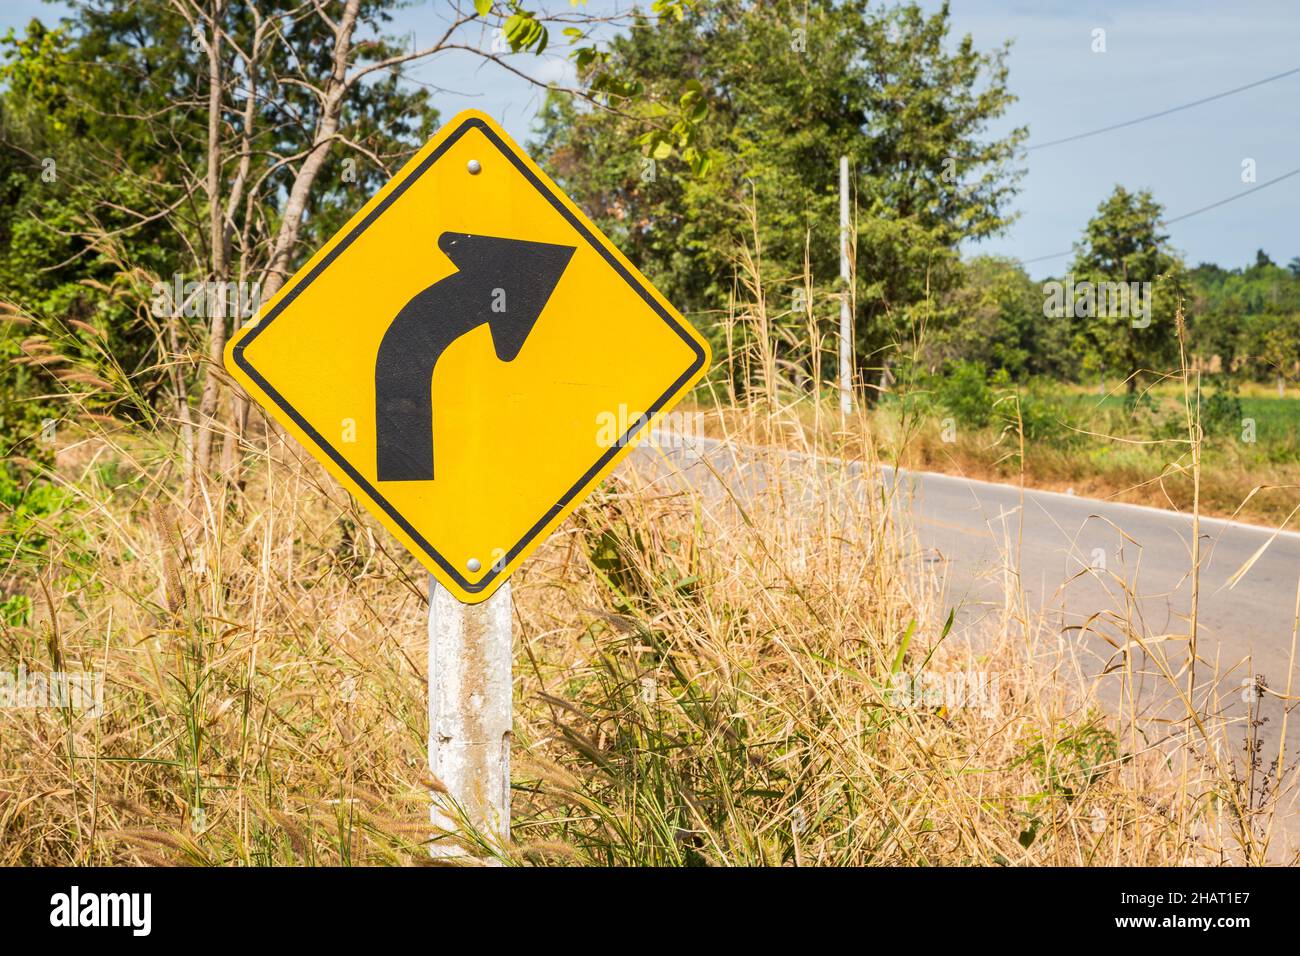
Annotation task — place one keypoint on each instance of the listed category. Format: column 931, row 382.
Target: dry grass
column 706, row 672
column 1254, row 491
column 703, row 675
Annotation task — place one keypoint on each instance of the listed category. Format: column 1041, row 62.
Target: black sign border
column 237, row 352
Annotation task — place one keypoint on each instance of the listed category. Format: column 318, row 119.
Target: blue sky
column 1158, row 55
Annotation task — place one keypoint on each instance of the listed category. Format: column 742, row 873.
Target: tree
column 191, row 139
column 1274, row 342
column 1125, row 287
column 1232, row 306
column 998, row 323
column 211, row 140
column 787, row 88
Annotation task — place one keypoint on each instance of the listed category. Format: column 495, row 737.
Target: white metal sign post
column 846, row 316
column 469, row 716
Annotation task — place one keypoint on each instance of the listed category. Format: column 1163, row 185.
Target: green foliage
column 1071, row 759
column 30, row 511
column 1123, row 244
column 97, row 203
column 1273, row 341
column 1243, row 322
column 22, row 410
column 965, row 392
column 767, row 97
column 16, row 610
column 977, row 397
column 996, row 318
column 1221, row 413
column 523, row 31
column 1047, row 421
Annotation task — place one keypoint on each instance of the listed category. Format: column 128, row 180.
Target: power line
column 1188, row 215
column 1173, row 109
column 1233, row 198
column 1054, row 255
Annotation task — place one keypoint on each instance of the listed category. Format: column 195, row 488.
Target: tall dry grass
column 708, row 662
column 703, row 675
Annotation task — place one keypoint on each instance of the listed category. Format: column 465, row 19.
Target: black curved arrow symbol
column 503, row 282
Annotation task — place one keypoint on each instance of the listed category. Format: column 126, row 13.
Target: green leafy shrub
column 16, row 610
column 1221, row 413
column 27, row 508
column 965, row 392
column 1048, row 421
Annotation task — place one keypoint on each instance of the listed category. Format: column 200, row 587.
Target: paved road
column 1081, row 557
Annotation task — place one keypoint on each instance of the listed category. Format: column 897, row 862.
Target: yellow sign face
column 456, row 354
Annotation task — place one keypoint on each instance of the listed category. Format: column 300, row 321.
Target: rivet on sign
column 474, row 167
column 473, row 564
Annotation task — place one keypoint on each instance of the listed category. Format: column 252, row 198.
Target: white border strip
column 671, row 441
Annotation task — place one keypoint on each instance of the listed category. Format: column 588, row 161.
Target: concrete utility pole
column 846, row 314
column 470, row 713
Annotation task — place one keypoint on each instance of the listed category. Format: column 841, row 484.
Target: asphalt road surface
column 1122, row 569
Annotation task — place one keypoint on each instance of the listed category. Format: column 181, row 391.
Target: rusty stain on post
column 470, row 714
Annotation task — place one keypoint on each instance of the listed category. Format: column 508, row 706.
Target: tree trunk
column 210, row 397
column 286, row 239
column 231, row 457
column 296, row 204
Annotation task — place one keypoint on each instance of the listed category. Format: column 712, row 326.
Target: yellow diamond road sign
column 456, row 353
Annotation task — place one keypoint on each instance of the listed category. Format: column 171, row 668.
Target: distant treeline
column 1243, row 323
